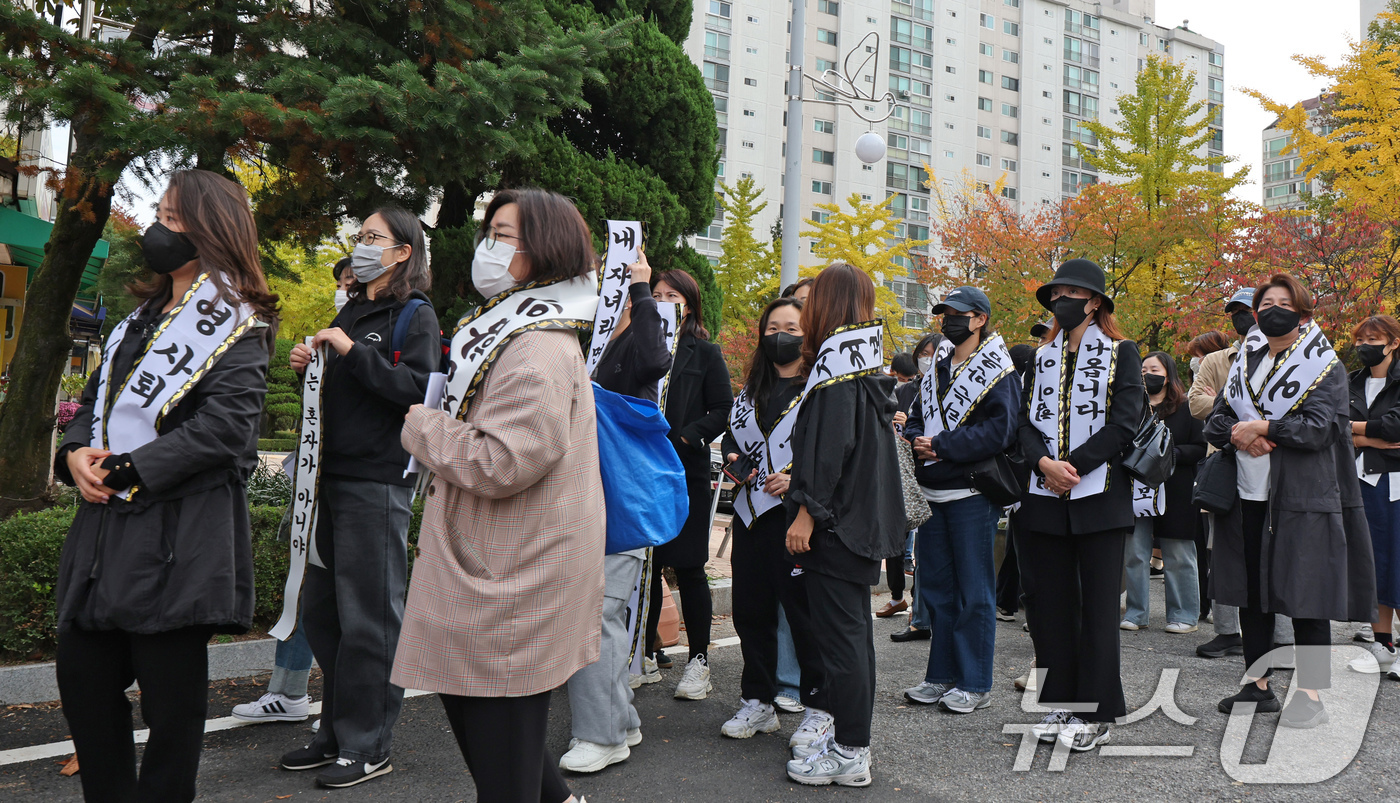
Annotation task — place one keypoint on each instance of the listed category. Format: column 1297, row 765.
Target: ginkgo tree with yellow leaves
column 865, row 237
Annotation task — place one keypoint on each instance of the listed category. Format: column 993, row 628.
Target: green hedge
column 277, row 444
column 30, row 546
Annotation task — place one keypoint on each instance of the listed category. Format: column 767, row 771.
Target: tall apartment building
column 1283, row 181
column 991, row 89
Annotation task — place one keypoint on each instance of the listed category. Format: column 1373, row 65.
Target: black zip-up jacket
column 366, row 396
column 1382, row 418
column 634, row 362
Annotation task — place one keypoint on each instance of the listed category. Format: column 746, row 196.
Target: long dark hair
column 553, row 235
column 1175, row 393
column 413, row 273
column 763, row 374
column 931, row 339
column 842, row 294
column 685, row 284
column 218, row 220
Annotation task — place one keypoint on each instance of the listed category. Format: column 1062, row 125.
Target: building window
column 1071, row 182
column 716, row 45
column 1013, row 3
column 950, row 69
column 822, row 157
column 1010, row 138
column 716, row 76
column 819, row 216
column 984, row 132
column 950, row 40
column 985, row 76
column 1008, row 192
column 750, row 82
column 1216, row 89
column 826, row 37
column 750, row 113
column 1007, row 82
column 950, row 99
column 948, row 154
column 948, row 126
column 747, row 144
column 1080, row 78
column 722, row 110
column 824, row 126
column 751, row 50
column 986, row 49
column 899, row 58
column 821, row 187
column 719, row 9
column 754, row 20
column 1009, row 110
column 904, row 177
column 1074, row 49
column 827, row 7
column 1009, row 165
column 987, row 21
column 1010, row 28
column 1142, row 39
column 983, row 160
column 984, row 104
column 1010, row 56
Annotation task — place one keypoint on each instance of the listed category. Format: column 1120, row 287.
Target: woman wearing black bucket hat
column 1083, row 402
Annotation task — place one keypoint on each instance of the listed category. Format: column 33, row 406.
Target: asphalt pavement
column 920, row 753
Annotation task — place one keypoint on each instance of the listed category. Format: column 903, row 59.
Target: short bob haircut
column 1302, row 298
column 1383, row 325
column 552, row 234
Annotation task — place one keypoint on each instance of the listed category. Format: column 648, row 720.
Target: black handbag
column 1215, row 490
column 1002, row 478
column 1151, row 458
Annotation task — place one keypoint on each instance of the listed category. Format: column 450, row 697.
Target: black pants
column 697, row 607
column 762, row 579
column 1312, row 637
column 1071, row 584
column 94, row 669
column 1203, row 561
column 1009, row 575
column 894, row 577
column 843, row 635
column 502, row 739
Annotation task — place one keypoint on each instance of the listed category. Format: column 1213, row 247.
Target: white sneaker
column 651, row 673
column 1126, row 625
column 1182, row 627
column 1366, row 634
column 1049, row 728
column 789, row 705
column 695, row 683
column 589, row 757
column 1385, row 659
column 844, row 766
column 634, row 737
column 1080, row 736
column 753, row 718
column 274, row 708
column 815, row 727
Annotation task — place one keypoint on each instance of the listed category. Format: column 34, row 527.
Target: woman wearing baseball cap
column 1083, row 403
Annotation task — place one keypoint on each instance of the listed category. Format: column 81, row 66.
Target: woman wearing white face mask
column 352, row 607
column 344, row 278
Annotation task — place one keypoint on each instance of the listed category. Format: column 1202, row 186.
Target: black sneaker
column 348, row 772
column 1221, row 646
column 662, row 661
column 911, row 634
column 1264, row 700
column 1003, row 615
column 1303, row 712
column 306, row 759
column 909, row 566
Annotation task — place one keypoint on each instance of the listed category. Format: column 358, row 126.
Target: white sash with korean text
column 624, row 243
column 1148, row 501
column 670, row 326
column 850, row 352
column 928, row 383
column 967, row 386
column 1296, row 372
column 306, row 481
column 1065, row 423
column 481, row 335
column 199, row 330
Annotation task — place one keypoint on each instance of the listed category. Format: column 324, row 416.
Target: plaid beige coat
column 506, row 596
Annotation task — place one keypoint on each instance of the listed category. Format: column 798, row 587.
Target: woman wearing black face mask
column 1296, row 541
column 159, row 556
column 1375, row 432
column 966, row 413
column 1168, row 514
column 1083, row 403
column 761, row 572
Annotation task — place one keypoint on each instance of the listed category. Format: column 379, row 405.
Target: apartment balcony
column 712, row 52
column 716, row 85
column 718, row 23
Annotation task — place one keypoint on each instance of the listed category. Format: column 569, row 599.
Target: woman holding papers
column 353, row 595
column 159, row 556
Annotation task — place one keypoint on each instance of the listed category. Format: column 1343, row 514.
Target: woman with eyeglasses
column 352, row 607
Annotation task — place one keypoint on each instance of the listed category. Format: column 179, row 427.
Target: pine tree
column 865, row 238
column 746, row 264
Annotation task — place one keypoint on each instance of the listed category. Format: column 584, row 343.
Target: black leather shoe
column 1221, row 646
column 911, row 635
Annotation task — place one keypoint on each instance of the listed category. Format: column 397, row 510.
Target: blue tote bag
column 643, row 481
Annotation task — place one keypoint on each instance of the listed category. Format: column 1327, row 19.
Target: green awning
column 25, row 236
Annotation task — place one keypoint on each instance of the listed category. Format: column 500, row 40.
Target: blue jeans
column 292, row 665
column 957, row 587
column 909, row 544
column 1179, row 561
column 789, row 673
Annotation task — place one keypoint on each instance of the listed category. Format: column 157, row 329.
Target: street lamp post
column 841, row 89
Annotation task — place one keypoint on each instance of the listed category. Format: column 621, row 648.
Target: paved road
column 921, row 754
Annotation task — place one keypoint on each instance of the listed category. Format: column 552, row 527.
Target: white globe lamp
column 870, row 147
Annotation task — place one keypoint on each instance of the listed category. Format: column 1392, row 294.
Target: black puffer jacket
column 180, row 553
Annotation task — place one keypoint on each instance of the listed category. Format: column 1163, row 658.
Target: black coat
column 991, row 429
column 1317, row 560
column 1182, row 519
column 366, row 395
column 180, row 553
column 697, row 403
column 1112, row 509
column 633, row 362
column 1382, row 418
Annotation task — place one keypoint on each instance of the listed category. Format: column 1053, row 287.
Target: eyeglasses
column 492, row 236
column 373, row 238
